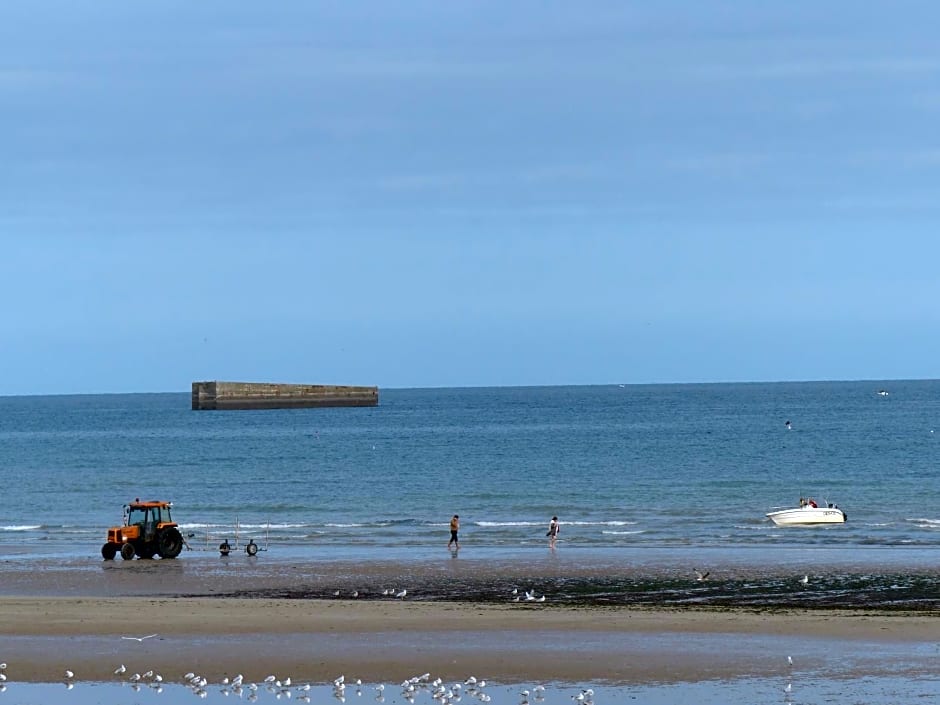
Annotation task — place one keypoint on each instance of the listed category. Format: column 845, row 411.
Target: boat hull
column 801, row 516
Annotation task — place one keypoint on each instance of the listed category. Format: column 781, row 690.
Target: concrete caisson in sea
column 262, row 395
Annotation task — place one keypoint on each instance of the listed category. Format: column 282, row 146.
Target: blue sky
column 450, row 194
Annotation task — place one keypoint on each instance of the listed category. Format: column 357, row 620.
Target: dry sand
column 390, row 640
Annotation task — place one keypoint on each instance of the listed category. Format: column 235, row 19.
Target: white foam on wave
column 243, row 526
column 624, row 533
column 924, row 523
column 563, row 523
column 21, row 527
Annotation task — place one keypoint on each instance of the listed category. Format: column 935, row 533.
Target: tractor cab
column 147, row 517
column 147, row 530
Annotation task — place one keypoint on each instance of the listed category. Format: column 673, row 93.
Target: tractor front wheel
column 127, row 551
column 169, row 543
column 109, row 551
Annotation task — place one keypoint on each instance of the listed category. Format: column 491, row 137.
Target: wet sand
column 223, row 619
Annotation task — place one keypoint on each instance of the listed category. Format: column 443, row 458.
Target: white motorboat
column 808, row 513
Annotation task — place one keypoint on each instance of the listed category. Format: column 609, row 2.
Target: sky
column 437, row 194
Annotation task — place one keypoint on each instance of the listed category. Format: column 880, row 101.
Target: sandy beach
column 317, row 639
column 78, row 618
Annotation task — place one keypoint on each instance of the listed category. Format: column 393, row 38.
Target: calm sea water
column 659, row 466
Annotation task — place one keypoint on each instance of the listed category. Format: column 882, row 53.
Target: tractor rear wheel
column 109, row 551
column 127, row 551
column 169, row 543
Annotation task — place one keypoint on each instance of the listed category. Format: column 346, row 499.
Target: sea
column 682, row 473
column 640, row 477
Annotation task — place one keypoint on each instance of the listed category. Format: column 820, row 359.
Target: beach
column 317, row 640
column 653, row 487
column 91, row 617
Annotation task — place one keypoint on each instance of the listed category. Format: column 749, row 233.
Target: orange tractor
column 148, row 531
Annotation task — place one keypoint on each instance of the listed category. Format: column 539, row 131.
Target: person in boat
column 802, row 502
column 812, row 502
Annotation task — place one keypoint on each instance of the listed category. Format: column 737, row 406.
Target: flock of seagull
column 701, row 576
column 527, row 596
column 284, row 688
column 411, row 688
column 388, row 592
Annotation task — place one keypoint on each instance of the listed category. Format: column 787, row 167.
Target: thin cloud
column 783, row 70
column 728, row 162
column 489, row 178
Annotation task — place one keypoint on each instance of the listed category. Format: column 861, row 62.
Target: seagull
column 541, row 599
column 805, row 580
column 355, row 593
column 119, row 670
column 138, row 638
column 401, row 594
column 69, row 674
column 789, row 688
column 790, row 661
column 700, row 576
